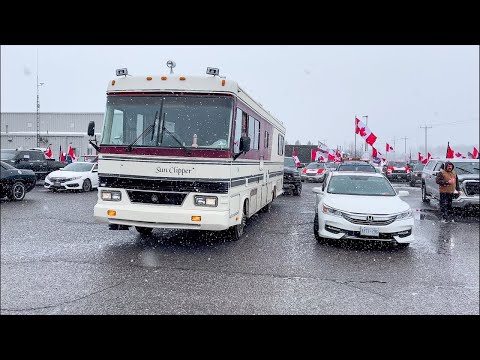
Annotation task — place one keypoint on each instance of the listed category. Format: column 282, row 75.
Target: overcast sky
column 314, row 90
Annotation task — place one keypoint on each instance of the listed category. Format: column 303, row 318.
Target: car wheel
column 144, row 230
column 17, row 193
column 298, row 190
column 87, row 185
column 236, row 231
column 424, row 194
column 412, row 183
column 316, row 227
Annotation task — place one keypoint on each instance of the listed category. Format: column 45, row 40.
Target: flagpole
column 355, row 134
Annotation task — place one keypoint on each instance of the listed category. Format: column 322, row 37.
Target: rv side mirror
column 244, row 144
column 91, row 128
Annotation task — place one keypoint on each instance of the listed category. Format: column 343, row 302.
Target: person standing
column 447, row 181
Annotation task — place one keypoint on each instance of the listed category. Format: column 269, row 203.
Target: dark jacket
column 441, row 180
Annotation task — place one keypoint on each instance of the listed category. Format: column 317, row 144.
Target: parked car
column 74, row 176
column 34, row 160
column 468, row 178
column 356, row 166
column 361, row 206
column 291, row 177
column 396, row 170
column 416, row 174
column 88, row 158
column 315, row 171
column 15, row 183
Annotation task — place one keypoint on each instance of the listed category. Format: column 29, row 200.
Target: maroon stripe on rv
column 202, row 153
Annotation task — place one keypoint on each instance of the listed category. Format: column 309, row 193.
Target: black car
column 15, row 183
column 291, row 177
column 416, row 174
column 34, row 160
column 356, row 166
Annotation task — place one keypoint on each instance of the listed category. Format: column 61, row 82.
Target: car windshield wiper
column 468, row 172
column 163, row 128
column 149, row 128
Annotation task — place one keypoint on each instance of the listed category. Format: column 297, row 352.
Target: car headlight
column 331, row 211
column 47, row 177
column 75, row 178
column 405, row 215
column 201, row 200
column 111, row 195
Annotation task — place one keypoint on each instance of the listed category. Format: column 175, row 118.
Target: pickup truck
column 468, row 177
column 31, row 159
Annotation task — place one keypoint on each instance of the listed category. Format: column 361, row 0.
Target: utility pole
column 38, row 106
column 426, row 128
column 366, row 123
column 405, row 138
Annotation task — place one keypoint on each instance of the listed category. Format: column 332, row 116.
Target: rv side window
column 256, row 144
column 280, row 144
column 251, row 131
column 265, row 143
column 238, row 130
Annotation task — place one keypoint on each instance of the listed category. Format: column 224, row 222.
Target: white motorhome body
column 185, row 169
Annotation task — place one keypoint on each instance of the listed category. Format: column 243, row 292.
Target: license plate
column 369, row 231
column 57, row 183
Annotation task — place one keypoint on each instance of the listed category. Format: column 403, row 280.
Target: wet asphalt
column 56, row 260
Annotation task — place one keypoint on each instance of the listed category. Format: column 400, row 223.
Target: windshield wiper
column 458, row 167
column 151, row 127
column 163, row 128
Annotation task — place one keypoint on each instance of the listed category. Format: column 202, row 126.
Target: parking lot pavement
column 57, row 260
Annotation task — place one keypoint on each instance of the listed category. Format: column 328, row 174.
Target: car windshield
column 352, row 167
column 462, row 168
column 7, row 166
column 289, row 162
column 316, row 166
column 419, row 167
column 7, row 154
column 168, row 121
column 78, row 167
column 397, row 164
column 360, row 185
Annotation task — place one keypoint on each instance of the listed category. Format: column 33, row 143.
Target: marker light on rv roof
column 122, row 72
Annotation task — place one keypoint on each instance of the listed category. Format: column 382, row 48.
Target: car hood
column 289, row 170
column 66, row 174
column 366, row 204
column 468, row 177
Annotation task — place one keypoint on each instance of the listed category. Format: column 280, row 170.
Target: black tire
column 298, row 190
column 144, row 230
column 403, row 245
column 412, row 183
column 236, row 231
column 320, row 239
column 17, row 192
column 87, row 185
column 424, row 194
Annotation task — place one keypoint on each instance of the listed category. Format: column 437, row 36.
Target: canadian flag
column 459, row 155
column 420, row 157
column 374, row 152
column 388, row 148
column 331, row 155
column 424, row 161
column 49, row 152
column 338, row 156
column 71, row 153
column 295, row 157
column 321, row 158
column 364, row 132
column 450, row 153
column 475, row 153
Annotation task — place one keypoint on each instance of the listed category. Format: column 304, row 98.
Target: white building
column 19, row 130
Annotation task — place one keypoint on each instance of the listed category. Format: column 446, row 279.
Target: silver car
column 315, row 171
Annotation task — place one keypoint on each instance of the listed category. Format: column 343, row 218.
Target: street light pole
column 426, row 128
column 38, row 106
column 405, row 138
column 366, row 123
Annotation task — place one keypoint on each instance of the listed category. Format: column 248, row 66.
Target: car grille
column 59, row 179
column 399, row 171
column 472, row 188
column 157, row 198
column 362, row 220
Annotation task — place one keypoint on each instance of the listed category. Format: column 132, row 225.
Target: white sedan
column 362, row 206
column 74, row 176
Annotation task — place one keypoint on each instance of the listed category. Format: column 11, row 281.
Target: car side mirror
column 91, row 128
column 244, row 144
column 317, row 190
column 403, row 193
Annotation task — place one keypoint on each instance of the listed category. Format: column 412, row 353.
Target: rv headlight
column 201, row 200
column 405, row 215
column 108, row 195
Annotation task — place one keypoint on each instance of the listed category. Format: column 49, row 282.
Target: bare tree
column 309, row 142
column 297, row 142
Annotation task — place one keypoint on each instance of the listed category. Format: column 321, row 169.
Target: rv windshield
column 192, row 121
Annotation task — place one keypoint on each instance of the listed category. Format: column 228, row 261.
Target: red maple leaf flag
column 295, row 157
column 420, row 156
column 314, row 154
column 424, row 161
column 71, row 153
column 475, row 153
column 49, row 152
column 374, row 152
column 458, row 155
column 450, row 152
column 388, row 148
column 363, row 130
